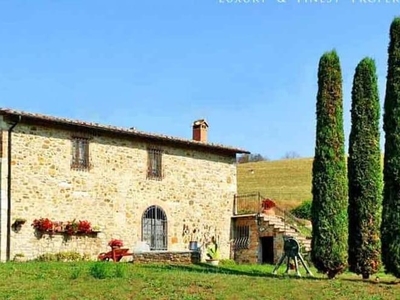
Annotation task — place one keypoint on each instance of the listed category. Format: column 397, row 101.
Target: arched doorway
column 154, row 228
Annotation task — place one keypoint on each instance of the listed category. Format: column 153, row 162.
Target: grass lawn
column 286, row 181
column 106, row 280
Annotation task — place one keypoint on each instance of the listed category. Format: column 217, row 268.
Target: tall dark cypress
column 364, row 172
column 390, row 229
column 329, row 181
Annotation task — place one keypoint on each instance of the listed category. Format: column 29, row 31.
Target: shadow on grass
column 372, row 281
column 222, row 269
column 206, row 268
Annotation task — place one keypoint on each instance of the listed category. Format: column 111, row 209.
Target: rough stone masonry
column 197, row 189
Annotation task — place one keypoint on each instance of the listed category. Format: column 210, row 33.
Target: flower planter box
column 269, row 212
column 213, row 262
column 81, row 227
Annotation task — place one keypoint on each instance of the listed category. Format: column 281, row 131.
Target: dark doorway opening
column 267, row 249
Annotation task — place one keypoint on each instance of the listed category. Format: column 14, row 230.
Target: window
column 154, row 228
column 242, row 237
column 80, row 154
column 154, row 164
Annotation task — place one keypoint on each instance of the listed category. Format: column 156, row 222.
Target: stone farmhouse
column 259, row 234
column 128, row 184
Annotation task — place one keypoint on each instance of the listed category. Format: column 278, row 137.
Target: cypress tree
column 364, row 172
column 329, row 181
column 390, row 228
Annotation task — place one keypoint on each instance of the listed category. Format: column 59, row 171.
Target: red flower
column 43, row 224
column 84, row 227
column 267, row 204
column 71, row 227
column 115, row 243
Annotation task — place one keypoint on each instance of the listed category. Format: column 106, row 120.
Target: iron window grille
column 154, row 164
column 241, row 237
column 155, row 228
column 80, row 153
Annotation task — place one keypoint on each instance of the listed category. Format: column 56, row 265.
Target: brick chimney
column 200, row 128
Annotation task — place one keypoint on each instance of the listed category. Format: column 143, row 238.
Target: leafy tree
column 291, row 155
column 329, row 181
column 303, row 211
column 390, row 228
column 364, row 172
column 245, row 158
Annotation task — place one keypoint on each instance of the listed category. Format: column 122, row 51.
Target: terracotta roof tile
column 120, row 130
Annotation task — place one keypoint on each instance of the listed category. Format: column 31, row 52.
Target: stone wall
column 55, row 243
column 253, row 254
column 184, row 257
column 196, row 192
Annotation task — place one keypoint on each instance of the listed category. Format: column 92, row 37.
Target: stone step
column 279, row 226
column 272, row 218
column 284, row 228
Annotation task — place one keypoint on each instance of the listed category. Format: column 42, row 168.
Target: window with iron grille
column 242, row 237
column 154, row 228
column 154, row 164
column 80, row 153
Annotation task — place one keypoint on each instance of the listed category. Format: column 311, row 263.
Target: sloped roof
column 34, row 117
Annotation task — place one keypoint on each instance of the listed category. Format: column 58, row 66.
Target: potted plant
column 115, row 244
column 18, row 222
column 268, row 206
column 213, row 252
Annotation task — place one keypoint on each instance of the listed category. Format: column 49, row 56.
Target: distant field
column 286, row 181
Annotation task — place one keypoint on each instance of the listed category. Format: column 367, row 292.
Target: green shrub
column 63, row 256
column 120, row 270
column 46, row 257
column 390, row 236
column 76, row 272
column 227, row 262
column 303, row 211
column 364, row 172
column 100, row 270
column 329, row 173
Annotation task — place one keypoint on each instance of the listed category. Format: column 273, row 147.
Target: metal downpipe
column 8, row 245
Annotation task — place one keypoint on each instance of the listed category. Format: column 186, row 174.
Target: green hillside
column 286, row 181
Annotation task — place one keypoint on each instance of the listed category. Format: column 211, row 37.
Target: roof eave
column 122, row 131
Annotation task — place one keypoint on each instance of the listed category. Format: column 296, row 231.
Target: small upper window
column 154, row 164
column 80, row 153
column 241, row 237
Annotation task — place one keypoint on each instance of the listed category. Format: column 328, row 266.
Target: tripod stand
column 291, row 250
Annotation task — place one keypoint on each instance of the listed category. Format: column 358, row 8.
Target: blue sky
column 249, row 69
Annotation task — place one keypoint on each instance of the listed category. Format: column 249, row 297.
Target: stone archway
column 155, row 228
